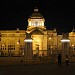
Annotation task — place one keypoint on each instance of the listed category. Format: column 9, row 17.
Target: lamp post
column 28, row 49
column 65, row 46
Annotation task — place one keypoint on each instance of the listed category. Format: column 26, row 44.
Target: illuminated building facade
column 36, row 40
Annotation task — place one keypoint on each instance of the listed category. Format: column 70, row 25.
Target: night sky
column 57, row 14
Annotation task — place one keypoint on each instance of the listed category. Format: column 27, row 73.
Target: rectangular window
column 11, row 47
column 21, row 47
column 3, row 47
column 49, row 48
column 0, row 39
column 0, row 35
column 49, row 45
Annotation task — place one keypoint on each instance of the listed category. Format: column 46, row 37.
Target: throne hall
column 36, row 40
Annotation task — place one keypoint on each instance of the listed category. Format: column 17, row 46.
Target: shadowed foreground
column 38, row 69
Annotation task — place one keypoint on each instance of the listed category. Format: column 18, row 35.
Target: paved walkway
column 38, row 69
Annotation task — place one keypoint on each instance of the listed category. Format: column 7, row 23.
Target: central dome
column 36, row 14
column 36, row 20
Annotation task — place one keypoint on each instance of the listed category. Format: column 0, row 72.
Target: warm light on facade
column 51, row 46
column 49, row 38
column 37, row 40
column 42, row 23
column 34, row 38
column 72, row 45
column 65, row 40
column 17, row 42
column 3, row 45
column 36, row 22
column 29, row 23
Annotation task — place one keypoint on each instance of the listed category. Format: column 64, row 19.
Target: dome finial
column 36, row 10
column 73, row 29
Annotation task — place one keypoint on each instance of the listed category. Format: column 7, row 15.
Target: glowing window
column 36, row 23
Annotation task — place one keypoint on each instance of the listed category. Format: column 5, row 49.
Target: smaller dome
column 36, row 14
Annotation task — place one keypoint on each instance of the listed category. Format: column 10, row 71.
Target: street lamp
column 65, row 45
column 28, row 49
column 65, row 40
column 28, row 40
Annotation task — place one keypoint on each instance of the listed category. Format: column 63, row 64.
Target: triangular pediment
column 37, row 31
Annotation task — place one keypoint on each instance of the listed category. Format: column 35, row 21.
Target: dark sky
column 59, row 14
